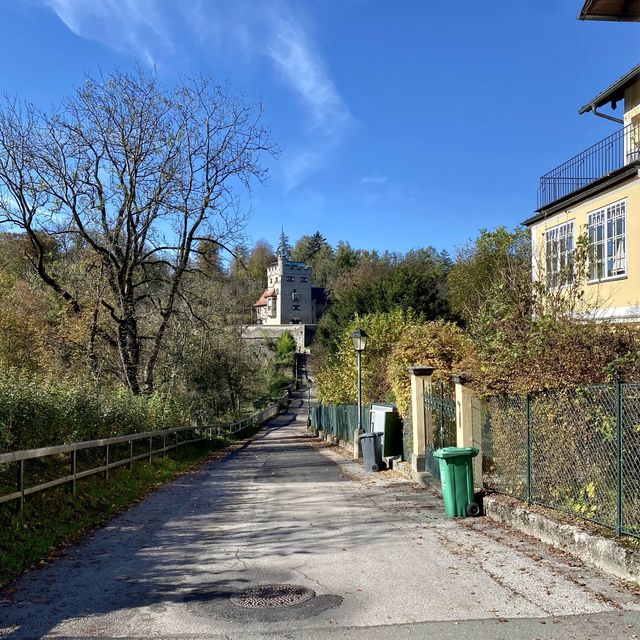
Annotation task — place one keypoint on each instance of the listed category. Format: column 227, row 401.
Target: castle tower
column 288, row 297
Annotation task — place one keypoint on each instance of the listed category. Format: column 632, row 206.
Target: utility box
column 385, row 419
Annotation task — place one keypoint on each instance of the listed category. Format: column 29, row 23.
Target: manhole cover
column 270, row 596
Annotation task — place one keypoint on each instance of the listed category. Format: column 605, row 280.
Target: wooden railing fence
column 165, row 440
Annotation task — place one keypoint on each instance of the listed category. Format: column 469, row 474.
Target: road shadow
column 275, row 496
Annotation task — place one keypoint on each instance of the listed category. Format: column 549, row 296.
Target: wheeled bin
column 385, row 419
column 456, row 477
column 372, row 451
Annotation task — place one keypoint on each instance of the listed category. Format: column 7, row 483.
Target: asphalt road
column 376, row 551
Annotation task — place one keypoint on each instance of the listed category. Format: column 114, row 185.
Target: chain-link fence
column 576, row 450
column 504, row 445
column 339, row 420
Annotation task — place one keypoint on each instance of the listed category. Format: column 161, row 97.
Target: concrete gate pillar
column 422, row 423
column 469, row 418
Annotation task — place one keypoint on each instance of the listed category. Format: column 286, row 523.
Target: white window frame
column 613, row 259
column 559, row 248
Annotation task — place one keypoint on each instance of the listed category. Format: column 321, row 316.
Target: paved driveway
column 375, row 550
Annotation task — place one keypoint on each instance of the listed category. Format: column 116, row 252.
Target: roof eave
column 614, row 92
column 594, row 10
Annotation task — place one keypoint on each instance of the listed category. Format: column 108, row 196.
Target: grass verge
column 53, row 519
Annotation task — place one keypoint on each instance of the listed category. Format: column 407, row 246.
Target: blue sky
column 401, row 124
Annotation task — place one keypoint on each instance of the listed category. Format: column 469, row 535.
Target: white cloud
column 124, row 25
column 246, row 28
column 303, row 69
column 376, row 179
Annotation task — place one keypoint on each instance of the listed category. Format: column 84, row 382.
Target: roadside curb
column 602, row 552
column 425, row 479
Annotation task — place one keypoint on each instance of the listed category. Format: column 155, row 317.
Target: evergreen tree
column 284, row 248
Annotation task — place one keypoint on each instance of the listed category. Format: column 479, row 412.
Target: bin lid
column 371, row 434
column 455, row 452
column 383, row 407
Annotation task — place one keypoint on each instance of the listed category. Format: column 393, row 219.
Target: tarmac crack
column 307, row 577
column 240, row 560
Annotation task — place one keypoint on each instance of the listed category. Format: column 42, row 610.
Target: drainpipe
column 605, row 115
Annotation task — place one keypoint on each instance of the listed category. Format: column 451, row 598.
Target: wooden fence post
column 74, row 471
column 21, row 485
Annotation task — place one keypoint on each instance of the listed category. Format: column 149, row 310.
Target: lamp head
column 359, row 338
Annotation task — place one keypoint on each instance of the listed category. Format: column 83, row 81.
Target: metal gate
column 440, row 422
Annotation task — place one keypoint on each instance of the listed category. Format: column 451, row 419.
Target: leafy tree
column 316, row 252
column 346, row 257
column 493, row 255
column 138, row 179
column 260, row 259
column 308, row 247
column 415, row 281
column 445, row 346
column 285, row 344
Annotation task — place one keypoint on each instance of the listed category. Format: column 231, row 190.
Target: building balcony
column 603, row 159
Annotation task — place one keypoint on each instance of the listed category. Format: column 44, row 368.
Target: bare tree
column 142, row 178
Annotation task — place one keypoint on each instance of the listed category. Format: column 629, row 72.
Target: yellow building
column 596, row 194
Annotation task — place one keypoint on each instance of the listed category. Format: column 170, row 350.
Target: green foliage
column 284, row 248
column 316, row 252
column 529, row 336
column 277, row 384
column 493, row 254
column 337, row 379
column 559, row 353
column 441, row 345
column 35, row 412
column 285, row 344
column 285, row 349
column 415, row 281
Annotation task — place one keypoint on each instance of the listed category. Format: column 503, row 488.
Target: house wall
column 617, row 298
column 632, row 103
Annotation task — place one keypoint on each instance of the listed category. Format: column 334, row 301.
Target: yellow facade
column 616, row 297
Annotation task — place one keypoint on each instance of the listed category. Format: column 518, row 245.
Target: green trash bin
column 456, row 477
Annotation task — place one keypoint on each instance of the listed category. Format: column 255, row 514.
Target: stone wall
column 302, row 333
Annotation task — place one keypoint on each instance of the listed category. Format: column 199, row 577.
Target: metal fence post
column 106, row 462
column 528, row 415
column 130, row 455
column 618, row 387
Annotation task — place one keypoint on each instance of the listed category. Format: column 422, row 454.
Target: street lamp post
column 359, row 338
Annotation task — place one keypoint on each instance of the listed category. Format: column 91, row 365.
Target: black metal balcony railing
column 614, row 152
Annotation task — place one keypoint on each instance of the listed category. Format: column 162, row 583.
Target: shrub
column 285, row 349
column 441, row 345
column 40, row 413
column 337, row 380
column 557, row 353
